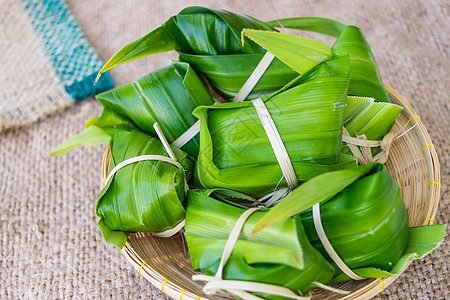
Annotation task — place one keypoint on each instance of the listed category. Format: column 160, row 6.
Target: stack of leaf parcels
column 312, row 93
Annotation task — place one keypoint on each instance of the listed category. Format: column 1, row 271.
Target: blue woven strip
column 73, row 59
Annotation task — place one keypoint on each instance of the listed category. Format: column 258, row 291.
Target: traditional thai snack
column 145, row 195
column 210, row 40
column 235, row 152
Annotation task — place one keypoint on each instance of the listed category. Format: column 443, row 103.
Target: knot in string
column 363, row 154
column 386, row 142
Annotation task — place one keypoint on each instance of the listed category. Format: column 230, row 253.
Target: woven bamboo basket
column 412, row 162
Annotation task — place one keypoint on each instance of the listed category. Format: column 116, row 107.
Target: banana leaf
column 367, row 223
column 365, row 80
column 167, row 96
column 143, row 196
column 235, row 152
column 421, row 241
column 365, row 116
column 364, row 219
column 373, row 119
column 99, row 130
column 299, row 53
column 228, row 73
column 279, row 255
column 316, row 24
column 210, row 40
column 195, row 30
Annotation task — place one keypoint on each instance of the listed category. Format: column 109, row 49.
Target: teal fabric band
column 74, row 60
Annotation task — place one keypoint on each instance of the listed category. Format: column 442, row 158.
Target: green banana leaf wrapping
column 279, row 255
column 167, row 96
column 235, row 152
column 373, row 119
column 143, row 196
column 367, row 223
column 211, row 41
column 228, row 73
column 195, row 29
column 213, row 31
column 365, row 80
column 364, row 219
column 362, row 115
column 315, row 24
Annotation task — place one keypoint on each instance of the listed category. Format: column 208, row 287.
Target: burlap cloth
column 51, row 246
column 46, row 63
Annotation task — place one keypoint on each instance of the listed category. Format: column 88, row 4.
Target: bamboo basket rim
column 373, row 286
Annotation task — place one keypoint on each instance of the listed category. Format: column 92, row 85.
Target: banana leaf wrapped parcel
column 279, row 255
column 362, row 213
column 364, row 219
column 235, row 152
column 365, row 79
column 369, row 111
column 216, row 169
column 142, row 196
column 166, row 96
column 210, row 41
column 367, row 223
